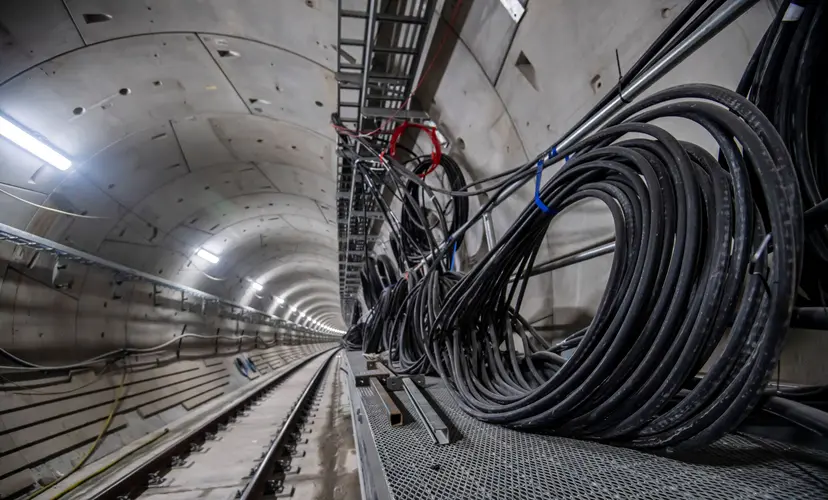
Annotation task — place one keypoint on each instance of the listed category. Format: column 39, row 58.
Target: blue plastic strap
column 538, row 200
column 453, row 254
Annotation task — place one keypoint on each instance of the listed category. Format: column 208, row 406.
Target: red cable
column 431, row 131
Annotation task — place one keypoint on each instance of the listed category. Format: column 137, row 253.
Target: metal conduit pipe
column 595, row 250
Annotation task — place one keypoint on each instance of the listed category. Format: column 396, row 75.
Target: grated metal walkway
column 490, row 462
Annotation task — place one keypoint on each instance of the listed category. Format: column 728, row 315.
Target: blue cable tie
column 452, row 256
column 554, row 152
column 538, row 200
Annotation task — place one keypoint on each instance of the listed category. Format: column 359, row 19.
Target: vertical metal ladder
column 381, row 44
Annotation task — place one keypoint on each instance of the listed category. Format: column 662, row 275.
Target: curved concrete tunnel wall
column 190, row 124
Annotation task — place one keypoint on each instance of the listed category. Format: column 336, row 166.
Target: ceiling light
column 208, row 256
column 279, row 299
column 34, row 146
column 256, row 286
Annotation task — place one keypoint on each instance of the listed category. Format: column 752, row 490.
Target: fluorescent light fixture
column 208, row 256
column 34, row 146
column 256, row 286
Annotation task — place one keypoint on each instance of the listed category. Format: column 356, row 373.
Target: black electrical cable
column 686, row 269
column 787, row 78
column 410, row 326
column 352, row 340
column 459, row 206
column 377, row 331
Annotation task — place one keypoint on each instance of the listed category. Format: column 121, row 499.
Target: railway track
column 248, row 451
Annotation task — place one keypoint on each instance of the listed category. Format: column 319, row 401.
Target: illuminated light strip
column 34, row 146
column 208, row 256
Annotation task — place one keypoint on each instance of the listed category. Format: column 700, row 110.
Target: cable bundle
column 692, row 259
column 786, row 79
column 417, row 242
column 379, row 324
column 409, row 331
column 352, row 340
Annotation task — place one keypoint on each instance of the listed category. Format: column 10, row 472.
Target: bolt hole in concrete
column 595, row 83
column 78, row 111
column 461, row 144
column 157, row 83
column 228, row 53
column 524, row 65
column 124, row 91
column 319, row 103
column 96, row 17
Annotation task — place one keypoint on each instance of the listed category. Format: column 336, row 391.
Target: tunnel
column 310, row 249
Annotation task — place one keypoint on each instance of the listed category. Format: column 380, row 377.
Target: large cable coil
column 703, row 247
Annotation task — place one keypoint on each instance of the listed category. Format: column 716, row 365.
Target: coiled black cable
column 786, row 78
column 691, row 261
column 457, row 207
column 407, row 338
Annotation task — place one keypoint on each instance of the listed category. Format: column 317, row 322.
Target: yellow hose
column 112, row 411
column 107, row 467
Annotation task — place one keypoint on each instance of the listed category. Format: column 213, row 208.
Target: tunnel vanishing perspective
column 405, row 249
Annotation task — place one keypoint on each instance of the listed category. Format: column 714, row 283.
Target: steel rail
column 136, row 480
column 258, row 481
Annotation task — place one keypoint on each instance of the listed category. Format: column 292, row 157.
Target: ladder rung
column 351, row 42
column 403, row 114
column 388, row 18
column 388, row 77
column 395, row 50
column 344, row 77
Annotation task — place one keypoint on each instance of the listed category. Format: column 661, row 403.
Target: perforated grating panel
column 492, row 462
